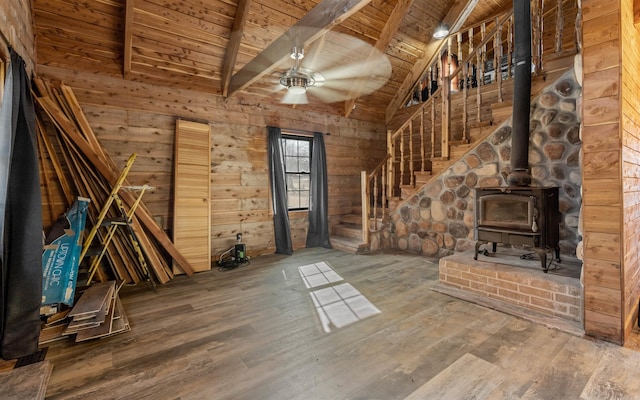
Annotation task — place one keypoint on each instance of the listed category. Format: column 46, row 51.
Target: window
column 297, row 168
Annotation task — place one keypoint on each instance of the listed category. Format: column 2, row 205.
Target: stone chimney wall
column 438, row 219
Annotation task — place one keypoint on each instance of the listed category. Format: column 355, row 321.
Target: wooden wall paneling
column 602, row 168
column 605, row 137
column 601, row 273
column 603, row 300
column 630, row 106
column 602, row 83
column 601, row 28
column 602, row 325
column 135, row 115
column 299, row 222
column 602, row 192
column 97, row 163
column 16, row 30
column 603, row 165
column 192, row 189
column 601, row 56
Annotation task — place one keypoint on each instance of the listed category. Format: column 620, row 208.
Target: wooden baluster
column 470, row 47
column 430, row 83
column 461, row 80
column 578, row 25
column 559, row 26
column 480, row 71
column 537, row 35
column 433, row 129
column 422, row 166
column 375, row 202
column 448, row 68
column 412, row 178
column 402, row 157
column 446, row 104
column 459, row 37
column 365, row 196
column 385, row 194
column 391, row 148
column 465, row 93
column 437, row 72
column 510, row 47
column 497, row 56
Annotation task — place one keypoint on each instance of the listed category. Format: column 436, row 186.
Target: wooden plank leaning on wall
column 84, row 153
column 192, row 190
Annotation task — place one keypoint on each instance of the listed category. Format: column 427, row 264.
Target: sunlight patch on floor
column 341, row 305
column 318, row 274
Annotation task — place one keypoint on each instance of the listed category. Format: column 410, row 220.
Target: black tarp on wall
column 20, row 220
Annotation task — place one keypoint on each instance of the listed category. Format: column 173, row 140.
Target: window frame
column 292, row 136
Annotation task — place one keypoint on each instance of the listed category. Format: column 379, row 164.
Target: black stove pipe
column 520, row 175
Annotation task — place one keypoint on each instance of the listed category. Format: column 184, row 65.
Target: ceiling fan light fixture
column 442, row 31
column 296, row 81
column 297, row 53
column 297, row 85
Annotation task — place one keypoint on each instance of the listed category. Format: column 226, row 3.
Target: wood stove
column 519, row 216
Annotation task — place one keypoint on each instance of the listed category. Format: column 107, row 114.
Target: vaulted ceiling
column 240, row 48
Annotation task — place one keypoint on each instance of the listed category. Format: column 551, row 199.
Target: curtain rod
column 302, row 132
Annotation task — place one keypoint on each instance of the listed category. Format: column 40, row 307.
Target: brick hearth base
column 506, row 282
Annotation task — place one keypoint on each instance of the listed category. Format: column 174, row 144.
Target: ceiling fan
column 337, row 67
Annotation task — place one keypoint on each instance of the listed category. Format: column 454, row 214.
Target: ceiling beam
column 128, row 38
column 388, row 32
column 309, row 28
column 229, row 62
column 455, row 18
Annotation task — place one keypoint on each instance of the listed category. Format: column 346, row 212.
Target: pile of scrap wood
column 97, row 314
column 84, row 168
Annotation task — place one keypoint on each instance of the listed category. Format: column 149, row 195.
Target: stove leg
column 557, row 250
column 494, row 247
column 542, row 253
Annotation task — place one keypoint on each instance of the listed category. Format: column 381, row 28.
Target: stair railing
column 477, row 60
column 375, row 197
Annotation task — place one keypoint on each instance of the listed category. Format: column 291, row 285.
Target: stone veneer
column 438, row 219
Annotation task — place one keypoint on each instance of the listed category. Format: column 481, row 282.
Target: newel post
column 390, row 170
column 364, row 185
column 446, row 101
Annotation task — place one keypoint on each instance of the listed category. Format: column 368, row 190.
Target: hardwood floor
column 254, row 333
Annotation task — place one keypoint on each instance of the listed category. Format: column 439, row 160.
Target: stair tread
column 354, row 219
column 347, row 244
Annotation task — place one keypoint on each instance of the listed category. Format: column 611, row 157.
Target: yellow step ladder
column 125, row 220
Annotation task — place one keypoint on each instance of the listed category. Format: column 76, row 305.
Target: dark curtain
column 279, row 193
column 21, row 207
column 318, row 235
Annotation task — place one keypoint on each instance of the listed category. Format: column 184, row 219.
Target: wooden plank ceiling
column 240, row 48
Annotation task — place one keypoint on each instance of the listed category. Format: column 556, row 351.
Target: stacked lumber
column 84, row 168
column 98, row 313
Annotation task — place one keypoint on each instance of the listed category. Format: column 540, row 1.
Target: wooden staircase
column 427, row 138
column 347, row 234
column 479, row 131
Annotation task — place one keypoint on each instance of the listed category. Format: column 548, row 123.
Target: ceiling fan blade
column 335, row 48
column 328, row 94
column 355, row 86
column 291, row 98
column 368, row 68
